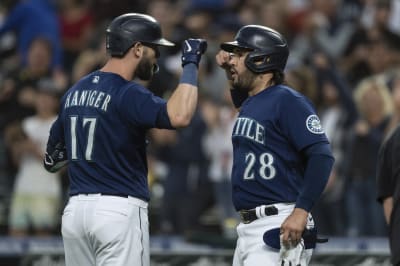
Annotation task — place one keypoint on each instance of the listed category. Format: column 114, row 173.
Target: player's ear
column 137, row 49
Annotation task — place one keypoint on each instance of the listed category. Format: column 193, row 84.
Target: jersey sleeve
column 384, row 173
column 300, row 123
column 56, row 134
column 142, row 108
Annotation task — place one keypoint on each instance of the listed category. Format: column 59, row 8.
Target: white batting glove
column 292, row 255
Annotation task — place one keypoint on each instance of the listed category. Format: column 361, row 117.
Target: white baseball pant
column 104, row 230
column 250, row 247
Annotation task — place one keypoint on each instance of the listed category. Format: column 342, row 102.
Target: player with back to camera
column 101, row 133
column 282, row 158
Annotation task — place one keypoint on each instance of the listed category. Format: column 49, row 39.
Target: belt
column 251, row 215
column 101, row 194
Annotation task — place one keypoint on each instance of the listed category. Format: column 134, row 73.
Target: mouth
column 233, row 73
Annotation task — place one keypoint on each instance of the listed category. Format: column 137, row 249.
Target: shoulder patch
column 314, row 124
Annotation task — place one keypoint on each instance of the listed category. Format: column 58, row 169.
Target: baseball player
column 281, row 156
column 101, row 133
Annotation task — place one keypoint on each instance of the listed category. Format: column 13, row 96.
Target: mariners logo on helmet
column 314, row 124
column 268, row 48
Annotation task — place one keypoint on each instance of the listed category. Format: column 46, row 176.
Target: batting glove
column 192, row 49
column 292, row 255
column 55, row 157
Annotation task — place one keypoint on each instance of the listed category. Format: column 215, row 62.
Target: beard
column 145, row 69
column 244, row 81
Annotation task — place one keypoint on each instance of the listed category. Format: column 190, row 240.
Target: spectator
column 37, row 194
column 338, row 113
column 32, row 19
column 374, row 105
column 186, row 185
column 76, row 23
column 19, row 87
column 91, row 58
column 218, row 147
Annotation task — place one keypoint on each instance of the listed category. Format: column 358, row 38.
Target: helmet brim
column 231, row 46
column 164, row 42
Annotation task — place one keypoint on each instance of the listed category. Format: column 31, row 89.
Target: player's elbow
column 180, row 121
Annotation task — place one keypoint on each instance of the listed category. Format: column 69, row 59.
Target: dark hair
column 278, row 77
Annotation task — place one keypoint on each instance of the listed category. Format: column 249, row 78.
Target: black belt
column 249, row 216
column 101, row 194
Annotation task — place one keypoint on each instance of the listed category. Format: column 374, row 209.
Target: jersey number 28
column 266, row 169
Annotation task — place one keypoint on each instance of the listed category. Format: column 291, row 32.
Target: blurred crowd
column 344, row 55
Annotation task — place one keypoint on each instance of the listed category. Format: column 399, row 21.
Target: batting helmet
column 125, row 30
column 268, row 48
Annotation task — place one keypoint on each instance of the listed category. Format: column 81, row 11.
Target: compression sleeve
column 319, row 166
column 238, row 97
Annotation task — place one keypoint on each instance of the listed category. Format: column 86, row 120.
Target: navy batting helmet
column 268, row 48
column 125, row 30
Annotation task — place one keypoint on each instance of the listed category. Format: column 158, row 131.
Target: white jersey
column 32, row 178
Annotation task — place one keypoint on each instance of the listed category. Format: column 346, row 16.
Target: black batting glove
column 192, row 49
column 55, row 157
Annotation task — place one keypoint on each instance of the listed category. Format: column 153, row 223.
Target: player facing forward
column 101, row 133
column 282, row 158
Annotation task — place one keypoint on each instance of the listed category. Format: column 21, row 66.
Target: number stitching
column 248, row 172
column 266, row 161
column 92, row 121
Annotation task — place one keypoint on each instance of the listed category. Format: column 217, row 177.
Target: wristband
column 189, row 74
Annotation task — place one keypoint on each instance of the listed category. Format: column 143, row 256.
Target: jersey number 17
column 90, row 123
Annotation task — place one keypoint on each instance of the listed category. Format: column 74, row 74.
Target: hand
column 293, row 227
column 222, row 59
column 55, row 157
column 292, row 255
column 192, row 50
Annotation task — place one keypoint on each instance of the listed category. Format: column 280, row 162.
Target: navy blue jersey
column 103, row 121
column 272, row 128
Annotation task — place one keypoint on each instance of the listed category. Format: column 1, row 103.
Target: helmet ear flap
column 261, row 61
column 268, row 48
column 257, row 62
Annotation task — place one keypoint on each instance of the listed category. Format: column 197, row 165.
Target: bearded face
column 146, row 67
column 244, row 81
column 144, row 70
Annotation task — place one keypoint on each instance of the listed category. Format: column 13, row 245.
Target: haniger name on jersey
column 88, row 98
column 249, row 128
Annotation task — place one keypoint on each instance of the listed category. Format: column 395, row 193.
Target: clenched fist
column 192, row 49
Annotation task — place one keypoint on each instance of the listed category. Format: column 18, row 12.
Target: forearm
column 387, row 208
column 183, row 101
